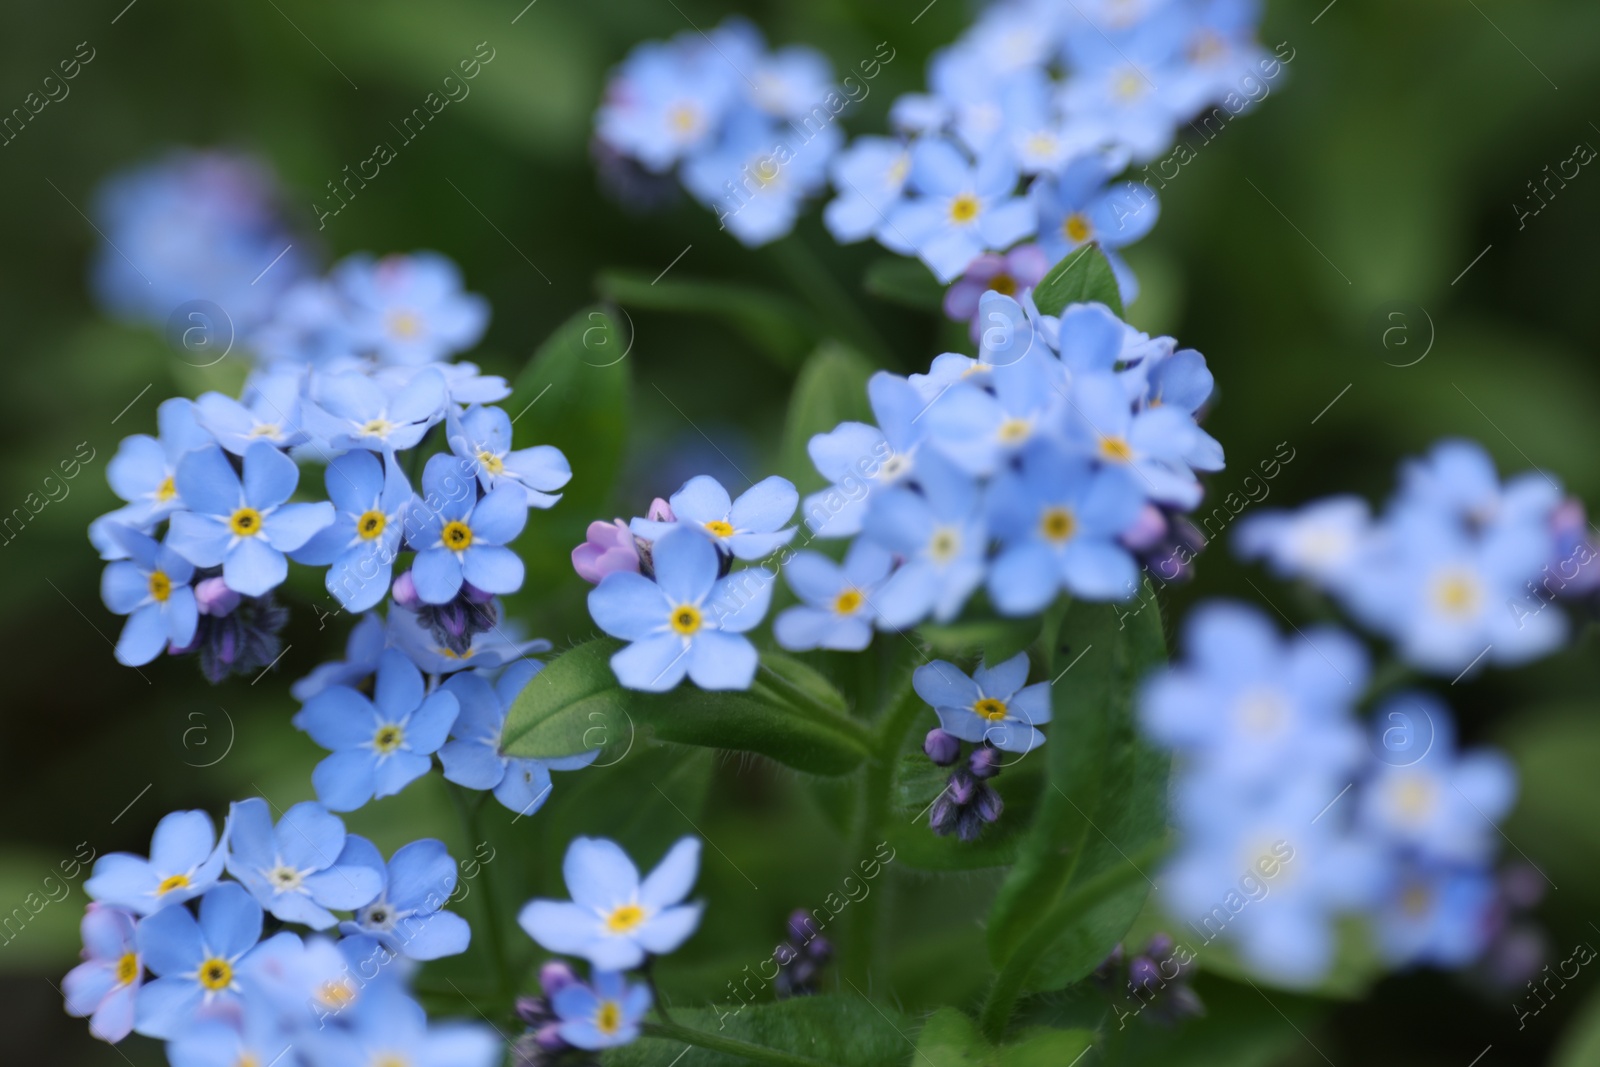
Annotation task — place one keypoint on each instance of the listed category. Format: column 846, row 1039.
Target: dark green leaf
column 995, row 639
column 1580, row 1045
column 951, row 1039
column 842, row 1029
column 1104, row 802
column 904, row 281
column 1084, row 276
column 831, row 388
column 781, row 328
column 791, row 714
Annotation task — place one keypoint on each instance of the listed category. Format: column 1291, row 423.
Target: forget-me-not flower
column 941, row 535
column 386, row 1027
column 995, row 704
column 860, row 459
column 836, row 609
column 303, row 866
column 482, row 436
column 104, row 985
column 353, row 410
column 961, row 210
column 144, row 473
column 407, row 916
column 748, row 528
column 1078, row 205
column 152, row 588
column 370, row 497
column 410, row 309
column 257, row 1038
column 270, row 412
column 602, row 1016
column 459, row 537
column 870, row 176
column 185, row 860
column 198, row 965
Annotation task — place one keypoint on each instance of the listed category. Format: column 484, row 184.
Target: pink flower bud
column 213, row 597
column 608, row 550
column 405, row 592
column 661, row 511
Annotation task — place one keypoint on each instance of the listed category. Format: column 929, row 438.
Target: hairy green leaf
column 1084, row 276
column 843, row 1029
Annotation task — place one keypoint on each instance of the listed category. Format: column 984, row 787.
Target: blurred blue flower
column 459, row 537
column 351, row 410
column 870, row 176
column 270, row 412
column 940, row 534
column 606, row 1015
column 152, row 588
column 994, row 704
column 103, row 987
column 387, row 1027
column 303, row 866
column 1437, row 915
column 1079, row 205
column 961, row 209
column 185, row 860
column 144, row 473
column 860, row 459
column 409, row 309
column 758, row 174
column 255, row 1037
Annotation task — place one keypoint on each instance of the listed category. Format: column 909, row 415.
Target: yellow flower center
column 1115, row 449
column 265, row 429
column 127, row 968
column 405, row 324
column 216, row 973
column 491, row 462
column 686, row 619
column 1014, row 430
column 944, row 545
column 765, row 170
column 720, row 528
column 379, row 427
column 371, row 524
column 1414, row 797
column 624, row 918
column 388, row 738
column 1128, row 85
column 457, row 536
column 176, row 881
column 684, row 119
column 1004, row 284
column 336, row 992
column 160, row 586
column 247, row 1059
column 990, row 708
column 166, row 490
column 246, row 522
column 391, row 1059
column 608, row 1018
column 1457, row 594
column 847, row 602
column 1076, row 227
column 1058, row 524
column 964, row 208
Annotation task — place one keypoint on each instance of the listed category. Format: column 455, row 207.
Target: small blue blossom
column 482, row 436
column 665, row 102
column 994, row 705
column 243, row 526
column 1437, row 915
column 871, row 178
column 185, row 860
column 474, row 759
column 961, row 210
column 758, row 175
column 860, row 459
column 406, row 917
column 687, row 621
column 256, row 1037
column 836, row 609
column 270, row 412
column 1158, row 446
column 604, row 1016
column 748, row 528
column 103, row 987
column 409, row 309
column 380, row 745
column 940, row 533
column 1079, row 205
column 459, row 537
column 144, row 473
column 614, row 919
column 1324, row 541
column 371, row 498
column 387, row 1027
column 303, row 866
column 309, row 324
column 152, row 588
column 351, row 410
column 199, row 966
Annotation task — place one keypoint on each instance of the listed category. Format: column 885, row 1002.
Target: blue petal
column 686, row 565
column 344, row 781
column 437, row 575
column 493, row 568
column 500, row 516
column 765, row 506
column 207, row 483
column 253, row 567
column 629, row 606
column 673, row 877
column 654, row 664
column 720, row 660
column 701, row 500
column 598, row 873
column 269, row 476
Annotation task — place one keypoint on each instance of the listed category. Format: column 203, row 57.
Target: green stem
column 469, row 813
column 649, row 975
column 1007, row 987
column 731, row 1046
column 827, row 296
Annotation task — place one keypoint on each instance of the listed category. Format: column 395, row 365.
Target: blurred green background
column 1388, row 159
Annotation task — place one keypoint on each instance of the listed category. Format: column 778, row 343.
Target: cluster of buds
column 541, row 1044
column 236, row 634
column 968, row 802
column 1155, row 979
column 453, row 624
column 801, row 958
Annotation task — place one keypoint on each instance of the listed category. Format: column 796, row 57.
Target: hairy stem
column 470, row 812
column 732, row 1046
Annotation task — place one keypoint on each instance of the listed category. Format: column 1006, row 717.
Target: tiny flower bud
column 405, row 592
column 985, row 762
column 213, row 597
column 1148, row 528
column 608, row 549
column 1144, row 972
column 554, row 977
column 661, row 511
column 944, row 749
column 549, row 1038
column 988, row 804
column 1159, row 946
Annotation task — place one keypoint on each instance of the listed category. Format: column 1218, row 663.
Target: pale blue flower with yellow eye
column 687, row 621
column 144, row 473
column 993, row 705
column 870, row 177
column 104, row 986
column 352, row 410
column 836, row 609
column 482, row 436
column 386, row 1027
column 1157, row 446
column 257, row 1036
column 152, row 588
column 666, row 102
column 961, row 210
column 1116, row 87
column 1324, row 541
column 1457, row 479
column 861, row 460
column 379, row 745
column 407, row 915
column 201, row 967
column 371, row 498
column 185, row 860
column 1079, row 204
column 603, row 1015
column 244, row 526
column 758, row 174
column 410, row 309
column 940, row 532
column 303, row 866
column 747, row 528
column 459, row 537
column 270, row 412
column 615, row 920
column 1437, row 915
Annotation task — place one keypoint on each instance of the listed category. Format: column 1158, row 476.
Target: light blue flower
column 308, row 324
column 406, row 917
column 387, row 1027
column 371, row 498
column 870, row 176
column 1458, row 480
column 1437, row 915
column 270, row 412
column 1435, row 803
column 458, row 536
column 301, row 868
column 152, row 588
column 614, row 920
column 104, row 986
column 1219, row 54
column 200, row 967
column 352, row 410
column 1079, row 205
column 144, row 473
column 940, row 534
column 994, row 705
column 836, row 609
column 482, row 436
column 256, row 1037
column 185, row 860
column 1059, row 520
column 410, row 309
column 363, row 649
column 603, row 1016
column 1158, row 446
column 748, row 528
column 244, row 527
column 381, row 745
column 961, row 210
column 758, row 174
column 474, row 758
column 1325, row 540
column 489, row 648
column 1116, row 87
column 1181, row 380
column 665, row 102
column 687, row 621
column 860, row 460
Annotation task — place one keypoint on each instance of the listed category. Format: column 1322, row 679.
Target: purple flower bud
column 1522, row 885
column 1159, row 946
column 661, row 511
column 1148, row 529
column 988, row 804
column 472, row 594
column 548, row 1038
column 554, row 977
column 985, row 762
column 820, row 949
column 1144, row 972
column 533, row 1010
column 213, row 597
column 960, row 789
column 802, row 927
column 944, row 749
column 405, row 592
column 608, row 550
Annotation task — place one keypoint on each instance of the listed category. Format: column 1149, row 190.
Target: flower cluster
column 1294, row 815
column 205, row 981
column 749, row 130
column 1459, row 568
column 617, row 922
column 1027, row 120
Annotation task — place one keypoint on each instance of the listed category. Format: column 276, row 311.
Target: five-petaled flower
column 994, row 704
column 459, row 536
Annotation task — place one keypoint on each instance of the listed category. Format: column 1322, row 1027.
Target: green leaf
column 951, row 1039
column 845, row 1030
column 1044, row 1047
column 1104, row 803
column 904, row 281
column 791, row 714
column 1242, row 1027
column 918, row 782
column 574, row 394
column 781, row 328
column 831, row 388
column 1580, row 1044
column 995, row 639
column 1084, row 276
